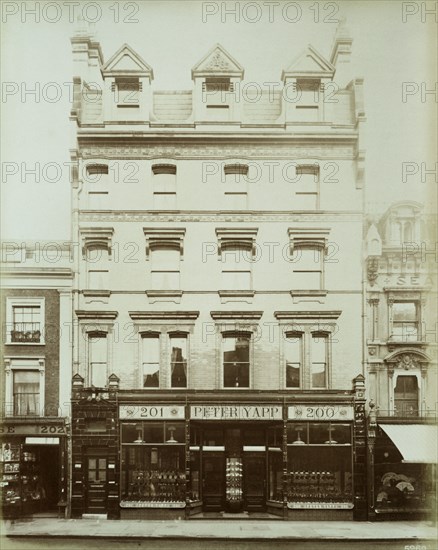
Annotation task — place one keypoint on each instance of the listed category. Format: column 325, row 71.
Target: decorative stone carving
column 372, row 270
column 218, row 62
column 407, row 362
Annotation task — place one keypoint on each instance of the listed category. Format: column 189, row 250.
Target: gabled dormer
column 127, row 80
column 217, row 77
column 304, row 81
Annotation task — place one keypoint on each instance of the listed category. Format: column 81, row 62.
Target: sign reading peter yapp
column 236, row 412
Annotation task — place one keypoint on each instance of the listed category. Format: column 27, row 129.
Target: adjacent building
column 402, row 361
column 36, row 361
column 218, row 362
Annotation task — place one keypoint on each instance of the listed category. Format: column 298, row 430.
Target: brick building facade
column 218, row 361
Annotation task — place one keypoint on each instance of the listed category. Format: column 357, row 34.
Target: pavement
column 221, row 529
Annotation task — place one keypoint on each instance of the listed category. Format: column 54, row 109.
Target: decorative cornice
column 163, row 315
column 236, row 315
column 286, row 315
column 274, row 148
column 96, row 315
column 117, row 216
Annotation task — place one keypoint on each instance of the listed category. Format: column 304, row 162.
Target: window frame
column 287, row 336
column 235, row 334
column 14, row 364
column 153, row 335
column 97, row 333
column 186, row 336
column 392, row 323
column 11, row 303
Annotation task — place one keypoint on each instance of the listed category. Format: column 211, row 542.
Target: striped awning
column 417, row 443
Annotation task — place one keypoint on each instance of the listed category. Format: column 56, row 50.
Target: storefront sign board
column 236, row 412
column 151, row 412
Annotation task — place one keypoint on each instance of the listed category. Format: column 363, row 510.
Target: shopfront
column 33, row 466
column 293, row 461
column 405, row 458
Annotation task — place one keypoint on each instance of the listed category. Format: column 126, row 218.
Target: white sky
column 172, row 37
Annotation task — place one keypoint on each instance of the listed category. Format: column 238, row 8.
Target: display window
column 319, row 464
column 153, row 462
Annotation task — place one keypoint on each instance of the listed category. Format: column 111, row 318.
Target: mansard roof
column 127, row 62
column 309, row 63
column 217, row 62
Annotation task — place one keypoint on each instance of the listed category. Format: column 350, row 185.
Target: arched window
column 406, row 396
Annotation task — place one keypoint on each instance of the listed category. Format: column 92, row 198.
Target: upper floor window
column 307, row 107
column 236, row 186
column 165, row 268
column 319, row 360
column 151, row 360
column 293, row 353
column 306, row 186
column 216, row 96
column 97, row 257
column 178, row 360
column 164, row 186
column 236, row 266
column 24, row 387
column 26, row 392
column 25, row 319
column 236, row 360
column 405, row 321
column 98, row 359
column 406, row 396
column 127, row 92
column 307, row 265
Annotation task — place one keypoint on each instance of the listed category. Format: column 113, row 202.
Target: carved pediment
column 217, row 62
column 127, row 62
column 309, row 63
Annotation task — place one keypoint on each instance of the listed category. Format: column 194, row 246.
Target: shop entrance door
column 96, row 484
column 254, row 472
column 213, row 482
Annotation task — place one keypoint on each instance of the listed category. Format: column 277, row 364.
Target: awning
column 416, row 442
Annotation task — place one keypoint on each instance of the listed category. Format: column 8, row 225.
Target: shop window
column 236, row 266
column 165, row 268
column 213, row 437
column 293, row 352
column 164, row 186
column 98, row 359
column 319, row 464
column 236, row 363
column 154, row 471
column 406, row 396
column 195, row 473
column 306, row 186
column 26, row 392
column 151, row 360
column 307, row 261
column 405, row 321
column 178, row 360
column 25, row 319
column 97, row 258
column 319, row 360
column 254, row 437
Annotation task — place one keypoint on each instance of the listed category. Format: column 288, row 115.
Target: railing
column 26, row 332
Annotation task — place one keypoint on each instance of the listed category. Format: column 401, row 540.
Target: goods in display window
column 153, row 466
column 233, row 480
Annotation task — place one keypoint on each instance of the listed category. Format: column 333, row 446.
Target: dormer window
column 307, row 106
column 127, row 92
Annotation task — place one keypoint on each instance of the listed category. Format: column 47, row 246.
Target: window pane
column 151, row 362
column 98, row 348
column 319, row 361
column 98, row 280
column 98, row 374
column 236, row 280
column 178, row 346
column 165, row 259
column 165, row 280
column 236, row 361
column 306, row 259
column 404, row 311
column 165, row 201
column 293, row 354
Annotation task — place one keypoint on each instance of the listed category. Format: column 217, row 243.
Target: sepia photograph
column 219, row 275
